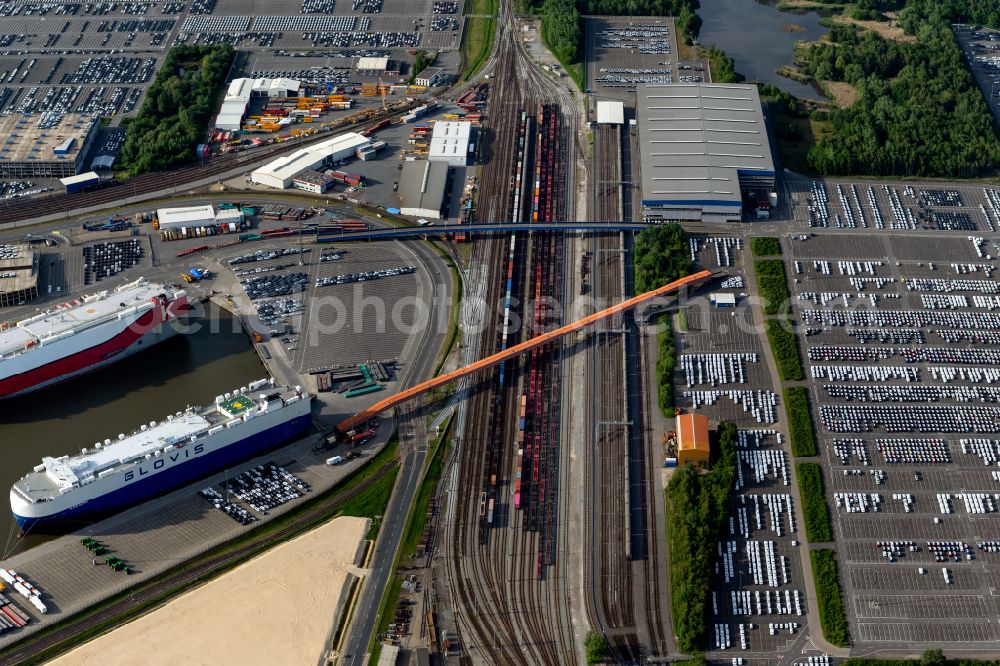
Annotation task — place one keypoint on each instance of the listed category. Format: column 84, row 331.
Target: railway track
column 622, row 582
column 164, row 181
column 614, row 541
column 504, row 559
column 171, row 582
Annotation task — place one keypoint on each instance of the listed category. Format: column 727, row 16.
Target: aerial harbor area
column 411, row 332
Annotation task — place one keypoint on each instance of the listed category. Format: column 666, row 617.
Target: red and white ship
column 86, row 334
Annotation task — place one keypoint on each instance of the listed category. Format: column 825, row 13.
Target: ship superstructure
column 86, row 334
column 159, row 457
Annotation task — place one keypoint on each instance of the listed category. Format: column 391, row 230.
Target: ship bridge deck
column 75, row 315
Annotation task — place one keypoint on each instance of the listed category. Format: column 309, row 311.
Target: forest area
column 178, row 106
column 919, row 111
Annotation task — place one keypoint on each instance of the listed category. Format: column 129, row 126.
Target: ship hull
column 150, row 329
column 167, row 480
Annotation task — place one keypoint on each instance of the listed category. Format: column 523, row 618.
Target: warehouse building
column 188, row 216
column 80, row 181
column 234, row 105
column 704, row 152
column 50, row 145
column 451, row 142
column 610, row 113
column 312, row 181
column 372, row 65
column 282, row 171
column 233, row 216
column 692, row 439
column 422, row 187
column 18, row 274
column 431, row 77
column 241, row 91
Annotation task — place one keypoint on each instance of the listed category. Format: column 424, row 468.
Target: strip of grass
column 785, row 347
column 477, row 40
column 800, row 425
column 372, row 502
column 814, row 507
column 453, row 314
column 384, row 457
column 391, row 596
column 929, row 658
column 765, row 246
column 415, row 522
column 828, row 596
column 666, row 360
column 773, row 286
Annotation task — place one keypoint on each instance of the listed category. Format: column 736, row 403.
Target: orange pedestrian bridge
column 386, row 404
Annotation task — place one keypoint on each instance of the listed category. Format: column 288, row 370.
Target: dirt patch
column 788, row 5
column 843, row 94
column 278, row 608
column 885, row 30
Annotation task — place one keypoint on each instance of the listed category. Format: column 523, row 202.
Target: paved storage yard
column 98, row 58
column 758, row 589
column 163, row 533
column 898, row 331
column 341, row 319
column 621, row 52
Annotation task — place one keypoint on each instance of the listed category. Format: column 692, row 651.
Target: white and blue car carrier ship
column 159, row 457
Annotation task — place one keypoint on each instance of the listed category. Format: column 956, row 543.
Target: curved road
column 412, row 454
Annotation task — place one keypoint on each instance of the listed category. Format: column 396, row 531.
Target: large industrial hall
column 704, row 152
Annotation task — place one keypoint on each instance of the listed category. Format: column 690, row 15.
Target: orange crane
column 350, row 423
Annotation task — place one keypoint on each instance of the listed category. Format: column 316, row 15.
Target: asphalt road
column 413, row 454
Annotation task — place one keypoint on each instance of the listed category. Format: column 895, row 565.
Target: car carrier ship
column 86, row 334
column 159, row 457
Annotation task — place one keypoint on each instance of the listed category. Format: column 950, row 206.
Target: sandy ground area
column 278, row 608
column 887, row 30
column 844, row 94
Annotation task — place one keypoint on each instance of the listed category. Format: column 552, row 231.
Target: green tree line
column 178, row 106
column 666, row 361
column 697, row 511
column 933, row 657
column 785, row 347
column 814, row 507
column 773, row 286
column 978, row 12
column 800, row 424
column 661, row 256
column 828, row 595
column 561, row 29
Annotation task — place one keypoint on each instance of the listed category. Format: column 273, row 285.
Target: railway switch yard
column 837, row 350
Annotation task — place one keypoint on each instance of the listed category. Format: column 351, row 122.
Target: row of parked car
column 111, row 69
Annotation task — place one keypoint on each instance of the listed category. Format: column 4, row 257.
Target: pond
column 760, row 38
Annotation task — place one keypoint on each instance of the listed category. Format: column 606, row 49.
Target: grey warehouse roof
column 422, row 185
column 695, row 139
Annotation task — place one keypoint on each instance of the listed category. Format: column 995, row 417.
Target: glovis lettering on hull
column 144, row 469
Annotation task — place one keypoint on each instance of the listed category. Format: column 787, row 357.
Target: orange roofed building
column 692, row 439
